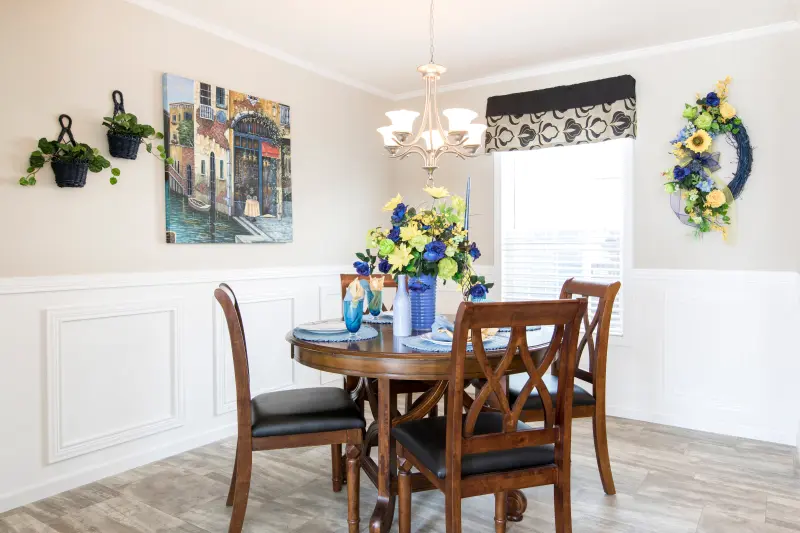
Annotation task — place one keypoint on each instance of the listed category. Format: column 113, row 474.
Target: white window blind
column 562, row 217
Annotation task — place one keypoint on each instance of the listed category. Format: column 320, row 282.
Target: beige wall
column 763, row 91
column 67, row 57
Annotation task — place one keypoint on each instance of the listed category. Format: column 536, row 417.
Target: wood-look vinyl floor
column 668, row 480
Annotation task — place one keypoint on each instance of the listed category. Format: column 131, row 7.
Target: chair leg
column 353, row 493
column 404, row 498
column 452, row 510
column 563, row 507
column 336, row 467
column 244, row 468
column 229, row 501
column 601, row 451
column 499, row 512
column 409, row 401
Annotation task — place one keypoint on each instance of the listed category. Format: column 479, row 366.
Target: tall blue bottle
column 401, row 309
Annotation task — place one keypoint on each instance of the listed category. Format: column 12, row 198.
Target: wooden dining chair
column 585, row 404
column 494, row 452
column 288, row 419
column 407, row 387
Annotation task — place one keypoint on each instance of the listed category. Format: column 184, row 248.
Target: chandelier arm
column 410, row 150
column 421, row 129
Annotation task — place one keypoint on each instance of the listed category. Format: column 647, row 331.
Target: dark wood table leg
column 382, row 516
column 516, row 503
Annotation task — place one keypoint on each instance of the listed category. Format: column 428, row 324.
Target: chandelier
column 462, row 138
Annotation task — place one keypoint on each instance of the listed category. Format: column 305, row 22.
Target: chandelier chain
column 431, row 31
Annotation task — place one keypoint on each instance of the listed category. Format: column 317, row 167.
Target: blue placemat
column 363, row 334
column 424, row 345
column 380, row 319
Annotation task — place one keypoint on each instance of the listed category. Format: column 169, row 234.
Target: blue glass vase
column 353, row 314
column 423, row 302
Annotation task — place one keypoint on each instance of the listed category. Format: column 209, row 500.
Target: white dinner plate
column 324, row 326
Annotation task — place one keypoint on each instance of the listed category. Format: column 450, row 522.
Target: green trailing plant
column 68, row 153
column 128, row 124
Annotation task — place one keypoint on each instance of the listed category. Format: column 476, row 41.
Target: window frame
column 627, row 230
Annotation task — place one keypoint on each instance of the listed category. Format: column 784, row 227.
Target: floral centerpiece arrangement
column 705, row 201
column 425, row 244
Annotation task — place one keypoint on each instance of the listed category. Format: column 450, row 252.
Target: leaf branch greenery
column 55, row 151
column 128, row 124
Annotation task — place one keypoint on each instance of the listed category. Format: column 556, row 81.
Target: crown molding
column 217, row 30
column 592, row 61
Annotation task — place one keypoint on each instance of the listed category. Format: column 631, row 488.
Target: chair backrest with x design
column 596, row 328
column 565, row 316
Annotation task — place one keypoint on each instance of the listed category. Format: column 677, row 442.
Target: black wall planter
column 120, row 145
column 123, row 146
column 70, row 173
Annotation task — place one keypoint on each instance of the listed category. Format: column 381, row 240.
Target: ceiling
column 377, row 44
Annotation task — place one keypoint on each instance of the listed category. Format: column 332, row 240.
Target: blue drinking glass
column 353, row 315
column 375, row 302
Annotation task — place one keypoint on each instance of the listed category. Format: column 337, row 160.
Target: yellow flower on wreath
column 699, row 142
column 715, row 198
column 727, row 111
column 391, row 204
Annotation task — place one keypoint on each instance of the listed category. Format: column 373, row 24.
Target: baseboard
column 33, row 493
column 760, row 433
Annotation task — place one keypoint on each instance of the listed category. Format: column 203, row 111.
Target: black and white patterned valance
column 571, row 114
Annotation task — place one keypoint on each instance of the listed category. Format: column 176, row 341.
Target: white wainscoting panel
column 266, row 320
column 712, row 351
column 100, row 374
column 113, row 375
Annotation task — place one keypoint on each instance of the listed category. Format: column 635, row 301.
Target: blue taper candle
column 466, row 213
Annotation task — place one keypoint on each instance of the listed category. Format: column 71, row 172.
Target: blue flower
column 474, row 252
column 398, row 213
column 417, row 285
column 696, row 166
column 712, row 99
column 680, row 172
column 434, row 251
column 362, row 267
column 478, row 291
column 384, row 266
column 684, row 134
column 426, row 227
column 394, row 234
column 705, row 185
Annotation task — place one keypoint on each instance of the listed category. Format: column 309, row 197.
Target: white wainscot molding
column 709, row 350
column 113, row 375
column 103, row 373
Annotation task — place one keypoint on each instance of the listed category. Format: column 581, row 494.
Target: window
column 220, row 97
column 221, row 169
column 562, row 216
column 205, row 94
column 187, row 115
column 178, row 166
column 203, row 167
column 174, row 119
column 284, row 115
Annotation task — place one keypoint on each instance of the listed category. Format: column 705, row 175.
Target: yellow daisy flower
column 437, row 192
column 391, row 204
column 699, row 142
column 400, row 257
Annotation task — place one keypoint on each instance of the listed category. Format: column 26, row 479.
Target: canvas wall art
column 231, row 177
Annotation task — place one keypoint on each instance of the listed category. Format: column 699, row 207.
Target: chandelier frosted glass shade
column 460, row 119
column 402, row 120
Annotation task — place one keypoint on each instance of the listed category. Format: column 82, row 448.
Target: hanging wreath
column 698, row 198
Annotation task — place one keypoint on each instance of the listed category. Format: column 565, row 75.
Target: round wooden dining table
column 379, row 361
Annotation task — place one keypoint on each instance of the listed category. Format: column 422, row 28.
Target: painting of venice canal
column 231, row 177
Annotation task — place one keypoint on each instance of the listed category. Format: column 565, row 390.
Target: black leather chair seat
column 294, row 412
column 517, row 381
column 426, row 439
